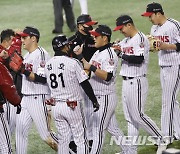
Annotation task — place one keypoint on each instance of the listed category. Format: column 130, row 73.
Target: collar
column 60, row 53
column 104, row 47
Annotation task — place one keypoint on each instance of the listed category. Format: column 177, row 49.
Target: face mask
column 87, row 29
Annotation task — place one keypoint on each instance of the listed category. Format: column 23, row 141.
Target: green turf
column 39, row 13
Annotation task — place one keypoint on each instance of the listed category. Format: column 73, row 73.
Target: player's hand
column 116, row 47
column 4, row 54
column 50, row 101
column 78, row 49
column 86, row 65
column 96, row 106
column 18, row 111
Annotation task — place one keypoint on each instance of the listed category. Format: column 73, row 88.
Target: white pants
column 170, row 113
column 5, row 141
column 33, row 110
column 134, row 94
column 83, row 5
column 10, row 115
column 104, row 119
column 70, row 122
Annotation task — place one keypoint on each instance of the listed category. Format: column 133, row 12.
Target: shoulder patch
column 141, row 45
column 111, row 62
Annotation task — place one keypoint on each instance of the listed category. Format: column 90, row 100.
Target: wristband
column 93, row 68
column 26, row 73
column 178, row 47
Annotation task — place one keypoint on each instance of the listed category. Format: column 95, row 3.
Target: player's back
column 63, row 77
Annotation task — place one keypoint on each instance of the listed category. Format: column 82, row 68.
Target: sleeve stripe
column 175, row 23
column 110, row 53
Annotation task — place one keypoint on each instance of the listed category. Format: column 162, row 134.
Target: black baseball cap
column 86, row 19
column 101, row 30
column 152, row 8
column 121, row 21
column 30, row 31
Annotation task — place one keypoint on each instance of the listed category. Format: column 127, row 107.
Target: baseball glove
column 154, row 43
column 16, row 62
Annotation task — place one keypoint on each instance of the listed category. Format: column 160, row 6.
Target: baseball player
column 102, row 68
column 82, row 36
column 167, row 30
column 10, row 43
column 135, row 55
column 34, row 108
column 64, row 77
column 9, row 92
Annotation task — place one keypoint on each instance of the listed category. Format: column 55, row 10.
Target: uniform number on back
column 53, row 78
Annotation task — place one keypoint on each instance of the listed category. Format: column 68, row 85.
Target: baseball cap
column 121, row 21
column 30, row 31
column 152, row 8
column 101, row 30
column 86, row 19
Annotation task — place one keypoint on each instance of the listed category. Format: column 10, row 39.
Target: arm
column 34, row 77
column 165, row 46
column 132, row 58
column 90, row 93
column 98, row 72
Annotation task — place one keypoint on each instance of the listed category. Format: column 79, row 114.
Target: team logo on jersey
column 141, row 45
column 42, row 64
column 61, row 66
column 111, row 61
column 128, row 50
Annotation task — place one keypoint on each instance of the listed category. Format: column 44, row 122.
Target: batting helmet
column 59, row 42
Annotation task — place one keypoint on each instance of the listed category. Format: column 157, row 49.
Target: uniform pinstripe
column 10, row 115
column 134, row 91
column 33, row 107
column 104, row 119
column 5, row 143
column 169, row 61
column 63, row 77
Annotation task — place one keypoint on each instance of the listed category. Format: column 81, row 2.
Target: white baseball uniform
column 105, row 59
column 10, row 115
column 5, row 144
column 169, row 61
column 135, row 87
column 63, row 77
column 33, row 105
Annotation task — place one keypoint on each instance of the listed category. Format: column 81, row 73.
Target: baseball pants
column 70, row 122
column 34, row 110
column 10, row 115
column 134, row 94
column 170, row 82
column 5, row 141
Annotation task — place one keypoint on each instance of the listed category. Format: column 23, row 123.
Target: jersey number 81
column 53, row 78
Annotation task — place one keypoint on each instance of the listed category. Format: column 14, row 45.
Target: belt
column 129, row 78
